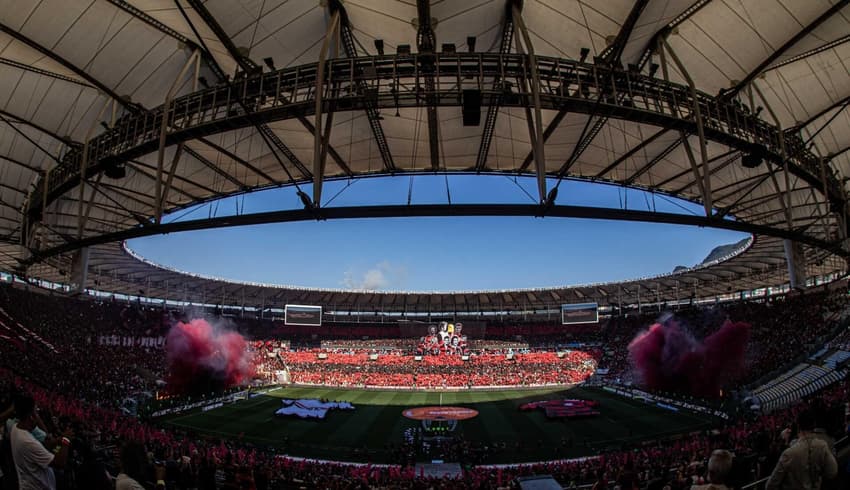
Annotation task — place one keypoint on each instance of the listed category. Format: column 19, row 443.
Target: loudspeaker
column 471, row 107
column 751, row 160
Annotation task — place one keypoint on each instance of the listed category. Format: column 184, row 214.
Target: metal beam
column 18, row 36
column 493, row 108
column 553, row 125
column 85, row 217
column 21, row 164
column 268, row 136
column 275, row 144
column 772, row 212
column 163, row 201
column 842, row 151
column 657, row 158
column 614, row 52
column 372, row 113
column 330, row 46
column 113, row 148
column 758, row 201
column 142, row 198
column 535, row 126
column 788, row 45
column 439, row 210
column 840, row 105
column 731, row 207
column 584, row 141
column 26, row 137
column 812, row 52
column 136, row 164
column 195, row 59
column 46, row 73
column 703, row 145
column 62, row 139
column 236, row 158
column 140, row 219
column 83, row 214
column 738, row 183
column 147, row 19
column 12, row 188
column 711, row 171
column 784, row 157
column 215, row 168
column 426, row 43
column 625, row 156
column 665, row 31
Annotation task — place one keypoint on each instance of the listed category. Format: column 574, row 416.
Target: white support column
column 786, row 198
column 319, row 139
column 706, row 174
column 83, row 166
column 163, row 132
column 535, row 127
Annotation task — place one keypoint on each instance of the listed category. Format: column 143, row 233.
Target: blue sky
column 429, row 254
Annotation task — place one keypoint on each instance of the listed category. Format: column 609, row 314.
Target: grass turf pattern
column 371, row 432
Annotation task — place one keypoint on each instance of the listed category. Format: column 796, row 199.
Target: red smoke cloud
column 204, row 359
column 670, row 359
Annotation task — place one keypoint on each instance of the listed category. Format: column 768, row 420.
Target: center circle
column 440, row 413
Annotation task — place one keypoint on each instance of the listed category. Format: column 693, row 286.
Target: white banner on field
column 311, row 408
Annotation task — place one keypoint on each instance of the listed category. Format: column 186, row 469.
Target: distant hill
column 716, row 253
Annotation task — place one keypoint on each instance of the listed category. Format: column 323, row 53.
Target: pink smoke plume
column 203, row 359
column 668, row 358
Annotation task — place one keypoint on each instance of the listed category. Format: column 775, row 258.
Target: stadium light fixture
column 653, row 69
column 117, row 171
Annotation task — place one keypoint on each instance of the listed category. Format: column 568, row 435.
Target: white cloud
column 383, row 275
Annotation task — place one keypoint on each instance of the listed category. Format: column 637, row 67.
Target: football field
column 369, row 432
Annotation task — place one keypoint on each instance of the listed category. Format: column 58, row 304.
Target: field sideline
column 366, row 433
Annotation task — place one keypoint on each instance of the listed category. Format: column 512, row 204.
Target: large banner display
column 302, row 315
column 445, row 339
column 579, row 313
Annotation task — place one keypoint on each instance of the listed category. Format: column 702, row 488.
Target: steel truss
column 428, row 210
column 559, row 84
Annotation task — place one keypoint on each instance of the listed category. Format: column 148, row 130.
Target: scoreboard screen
column 579, row 313
column 302, row 315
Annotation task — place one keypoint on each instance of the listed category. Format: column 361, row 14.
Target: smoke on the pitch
column 203, row 358
column 668, row 358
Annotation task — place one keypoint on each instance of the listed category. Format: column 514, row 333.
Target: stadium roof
column 761, row 137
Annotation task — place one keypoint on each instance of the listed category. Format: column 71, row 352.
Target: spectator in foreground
column 719, row 469
column 33, row 462
column 133, row 465
column 807, row 463
column 134, row 469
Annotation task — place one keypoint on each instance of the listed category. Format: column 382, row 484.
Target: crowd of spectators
column 49, row 350
column 359, row 369
column 184, row 462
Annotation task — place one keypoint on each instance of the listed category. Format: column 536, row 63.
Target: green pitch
column 369, row 432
